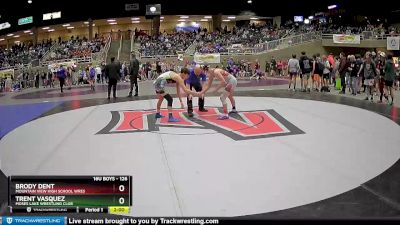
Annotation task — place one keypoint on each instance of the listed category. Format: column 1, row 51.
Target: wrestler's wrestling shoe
column 173, row 120
column 158, row 115
column 233, row 111
column 223, row 117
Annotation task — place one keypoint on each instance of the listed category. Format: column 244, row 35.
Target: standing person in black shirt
column 50, row 79
column 273, row 66
column 103, row 73
column 158, row 68
column 134, row 72
column 306, row 69
column 37, row 80
column 342, row 71
column 353, row 71
column 44, row 79
column 113, row 72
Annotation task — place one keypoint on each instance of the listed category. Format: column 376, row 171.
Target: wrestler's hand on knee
column 197, row 94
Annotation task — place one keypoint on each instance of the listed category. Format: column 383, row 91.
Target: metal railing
column 274, row 45
column 288, row 33
column 191, row 49
column 98, row 56
column 158, row 56
column 20, row 66
column 86, row 59
column 365, row 35
column 132, row 40
column 257, row 49
column 15, row 67
column 47, row 53
column 120, row 47
column 106, row 48
column 101, row 56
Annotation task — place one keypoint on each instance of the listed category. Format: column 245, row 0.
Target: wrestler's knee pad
column 223, row 97
column 169, row 99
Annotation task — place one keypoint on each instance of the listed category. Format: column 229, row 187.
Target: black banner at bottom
column 213, row 221
column 59, row 220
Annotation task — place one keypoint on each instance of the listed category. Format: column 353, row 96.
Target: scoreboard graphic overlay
column 75, row 194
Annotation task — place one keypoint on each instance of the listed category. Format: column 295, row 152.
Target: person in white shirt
column 293, row 71
column 325, row 74
column 98, row 73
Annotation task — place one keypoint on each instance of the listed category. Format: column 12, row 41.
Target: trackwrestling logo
column 244, row 125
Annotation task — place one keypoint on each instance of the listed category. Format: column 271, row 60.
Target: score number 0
column 121, row 200
column 121, row 188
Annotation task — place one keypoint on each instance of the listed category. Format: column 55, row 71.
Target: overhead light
column 86, row 22
column 161, row 20
column 181, row 24
column 207, row 17
column 94, row 24
column 135, row 21
column 184, row 17
column 53, row 15
column 181, row 20
column 111, row 20
column 153, row 9
column 29, row 1
column 231, row 17
column 378, row 20
column 249, row 1
column 31, row 33
column 135, row 18
column 70, row 27
column 5, row 25
column 66, row 25
column 310, row 17
column 27, row 31
column 51, row 30
column 46, row 28
column 162, row 17
column 253, row 18
column 306, row 21
column 225, row 20
column 26, row 20
column 332, row 6
column 204, row 20
column 16, row 36
column 194, row 24
column 113, row 23
column 9, row 35
column 2, row 39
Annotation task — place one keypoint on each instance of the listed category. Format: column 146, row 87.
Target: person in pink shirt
column 331, row 60
column 279, row 67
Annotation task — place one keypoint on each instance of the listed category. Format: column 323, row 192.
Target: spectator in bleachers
column 77, row 48
column 23, row 53
column 165, row 44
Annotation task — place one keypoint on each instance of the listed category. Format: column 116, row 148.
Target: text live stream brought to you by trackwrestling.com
column 57, row 220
